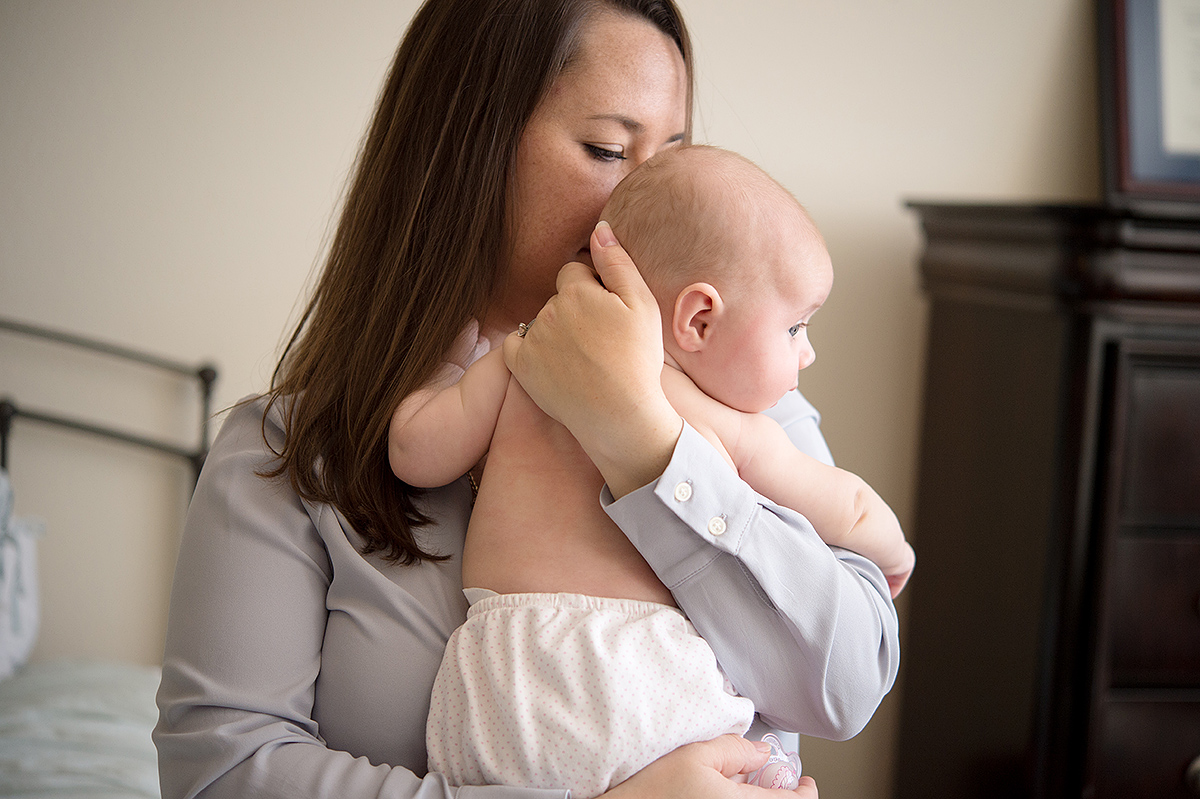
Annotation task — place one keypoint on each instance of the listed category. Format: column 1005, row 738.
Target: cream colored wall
column 169, row 172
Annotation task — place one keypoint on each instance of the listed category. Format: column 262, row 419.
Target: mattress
column 79, row 730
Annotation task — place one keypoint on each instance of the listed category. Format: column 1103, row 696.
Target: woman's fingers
column 512, row 343
column 807, row 788
column 593, row 363
column 706, row 770
column 576, row 273
column 696, row 771
column 733, row 754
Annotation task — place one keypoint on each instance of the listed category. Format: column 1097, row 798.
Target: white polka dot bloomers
column 572, row 691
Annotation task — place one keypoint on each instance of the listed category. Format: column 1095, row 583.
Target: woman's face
column 622, row 100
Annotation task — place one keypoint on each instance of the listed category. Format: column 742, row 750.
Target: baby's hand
column 898, row 576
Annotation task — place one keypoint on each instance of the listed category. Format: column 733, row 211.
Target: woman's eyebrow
column 632, row 125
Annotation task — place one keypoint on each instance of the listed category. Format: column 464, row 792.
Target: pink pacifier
column 782, row 769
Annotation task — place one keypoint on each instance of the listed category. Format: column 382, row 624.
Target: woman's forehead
column 626, row 71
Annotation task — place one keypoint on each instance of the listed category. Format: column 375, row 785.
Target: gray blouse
column 297, row 667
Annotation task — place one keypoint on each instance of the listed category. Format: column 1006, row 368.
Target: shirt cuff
column 698, row 488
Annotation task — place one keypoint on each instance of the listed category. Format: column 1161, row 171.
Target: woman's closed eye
column 604, row 153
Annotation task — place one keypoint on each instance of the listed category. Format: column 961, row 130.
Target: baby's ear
column 697, row 308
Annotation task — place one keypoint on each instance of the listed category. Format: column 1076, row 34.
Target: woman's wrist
column 636, row 449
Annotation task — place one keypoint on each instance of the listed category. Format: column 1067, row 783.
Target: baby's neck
column 671, row 362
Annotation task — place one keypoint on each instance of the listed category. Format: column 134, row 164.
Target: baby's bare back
column 537, row 525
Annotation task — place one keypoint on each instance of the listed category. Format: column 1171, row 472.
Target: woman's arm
column 807, row 632
column 439, row 433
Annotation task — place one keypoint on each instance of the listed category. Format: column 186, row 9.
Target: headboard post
column 7, row 411
column 205, row 374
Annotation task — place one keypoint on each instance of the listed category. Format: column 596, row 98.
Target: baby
column 574, row 668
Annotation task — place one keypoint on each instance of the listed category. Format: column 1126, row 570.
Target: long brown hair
column 419, row 246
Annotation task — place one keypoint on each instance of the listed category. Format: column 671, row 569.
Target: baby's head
column 736, row 264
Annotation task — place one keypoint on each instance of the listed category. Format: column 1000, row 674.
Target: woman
column 311, row 605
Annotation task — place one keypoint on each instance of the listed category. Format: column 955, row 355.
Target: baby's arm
column 438, row 433
column 842, row 508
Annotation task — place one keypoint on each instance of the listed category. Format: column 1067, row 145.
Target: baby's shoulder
column 689, row 400
column 720, row 424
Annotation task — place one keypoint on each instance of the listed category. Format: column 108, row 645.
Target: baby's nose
column 807, row 356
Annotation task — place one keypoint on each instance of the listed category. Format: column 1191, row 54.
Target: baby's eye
column 604, row 153
column 795, row 329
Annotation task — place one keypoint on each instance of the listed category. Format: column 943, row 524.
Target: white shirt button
column 716, row 526
column 683, row 492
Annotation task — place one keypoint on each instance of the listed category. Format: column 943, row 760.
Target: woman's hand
column 593, row 361
column 703, row 771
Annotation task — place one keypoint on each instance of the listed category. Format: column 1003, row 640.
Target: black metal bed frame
column 205, row 374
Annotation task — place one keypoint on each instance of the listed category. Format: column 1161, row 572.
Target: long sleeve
column 295, row 666
column 807, row 631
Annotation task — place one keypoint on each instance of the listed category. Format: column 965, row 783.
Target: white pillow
column 18, row 583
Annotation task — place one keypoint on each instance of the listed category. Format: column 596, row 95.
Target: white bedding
column 78, row 730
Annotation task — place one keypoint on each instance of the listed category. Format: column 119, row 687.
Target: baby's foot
column 782, row 769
